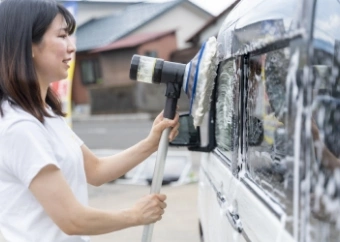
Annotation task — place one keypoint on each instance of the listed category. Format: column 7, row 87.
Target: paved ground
column 179, row 222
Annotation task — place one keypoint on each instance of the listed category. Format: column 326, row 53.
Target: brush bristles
column 205, row 81
column 146, row 69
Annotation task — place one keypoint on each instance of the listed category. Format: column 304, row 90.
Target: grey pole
column 157, row 178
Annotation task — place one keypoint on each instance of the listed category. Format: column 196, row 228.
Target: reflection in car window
column 266, row 132
column 326, row 122
column 256, row 23
column 227, row 107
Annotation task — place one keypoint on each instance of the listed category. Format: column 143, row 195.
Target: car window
column 325, row 123
column 266, row 135
column 227, row 108
column 253, row 24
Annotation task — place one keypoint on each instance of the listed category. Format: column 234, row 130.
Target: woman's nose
column 71, row 45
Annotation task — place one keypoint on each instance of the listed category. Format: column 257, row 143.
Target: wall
column 113, row 99
column 115, row 66
column 213, row 29
column 151, row 98
column 186, row 19
column 80, row 94
column 164, row 46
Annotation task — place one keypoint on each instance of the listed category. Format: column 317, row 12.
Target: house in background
column 106, row 45
column 210, row 28
column 87, row 10
column 101, row 76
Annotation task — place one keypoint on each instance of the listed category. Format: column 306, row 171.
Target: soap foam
column 205, row 81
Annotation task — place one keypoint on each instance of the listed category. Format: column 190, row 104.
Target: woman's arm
column 102, row 170
column 52, row 191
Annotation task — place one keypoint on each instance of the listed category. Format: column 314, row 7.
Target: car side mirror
column 188, row 135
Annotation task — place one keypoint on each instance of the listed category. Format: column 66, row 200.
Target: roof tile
column 100, row 32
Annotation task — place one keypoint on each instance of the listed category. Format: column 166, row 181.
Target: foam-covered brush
column 197, row 77
column 197, row 80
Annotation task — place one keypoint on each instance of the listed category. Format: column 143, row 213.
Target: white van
column 270, row 162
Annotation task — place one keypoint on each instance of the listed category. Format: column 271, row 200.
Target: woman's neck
column 43, row 91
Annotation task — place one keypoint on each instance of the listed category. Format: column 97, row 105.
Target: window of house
column 265, row 129
column 227, row 115
column 90, row 72
column 151, row 53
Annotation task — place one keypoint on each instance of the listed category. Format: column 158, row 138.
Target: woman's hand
column 149, row 209
column 158, row 126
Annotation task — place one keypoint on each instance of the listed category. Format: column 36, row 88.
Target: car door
column 246, row 186
column 274, row 174
column 216, row 173
column 245, row 183
column 267, row 169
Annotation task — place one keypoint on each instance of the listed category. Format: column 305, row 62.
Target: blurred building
column 87, row 10
column 105, row 46
column 210, row 28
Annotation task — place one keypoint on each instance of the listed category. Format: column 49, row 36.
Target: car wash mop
column 196, row 78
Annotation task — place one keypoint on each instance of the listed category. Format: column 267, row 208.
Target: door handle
column 221, row 199
column 234, row 219
column 232, row 216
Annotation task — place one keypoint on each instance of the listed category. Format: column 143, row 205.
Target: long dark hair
column 22, row 23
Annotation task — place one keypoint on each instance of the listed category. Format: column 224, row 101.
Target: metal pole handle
column 157, row 179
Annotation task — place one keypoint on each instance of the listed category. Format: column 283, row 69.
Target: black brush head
column 134, row 67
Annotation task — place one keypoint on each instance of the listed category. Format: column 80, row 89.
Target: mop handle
column 157, row 177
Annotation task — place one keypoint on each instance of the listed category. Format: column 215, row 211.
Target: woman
column 44, row 166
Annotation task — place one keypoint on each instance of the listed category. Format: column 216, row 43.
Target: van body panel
column 274, row 174
column 215, row 181
column 258, row 223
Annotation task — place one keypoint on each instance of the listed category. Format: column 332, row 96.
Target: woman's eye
column 63, row 36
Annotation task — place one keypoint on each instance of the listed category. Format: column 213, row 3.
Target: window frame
column 151, row 53
column 264, row 196
column 239, row 167
column 218, row 151
column 95, row 70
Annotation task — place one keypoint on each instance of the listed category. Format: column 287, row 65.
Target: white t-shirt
column 26, row 146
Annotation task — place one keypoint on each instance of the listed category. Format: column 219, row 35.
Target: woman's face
column 52, row 56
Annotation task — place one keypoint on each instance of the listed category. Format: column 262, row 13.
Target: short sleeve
column 79, row 141
column 27, row 150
